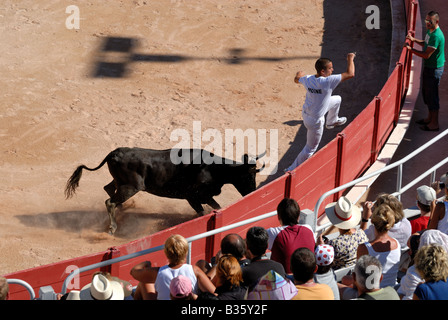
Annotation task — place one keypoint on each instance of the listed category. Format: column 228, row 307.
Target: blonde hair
column 431, row 262
column 176, row 249
column 393, row 203
column 383, row 218
column 229, row 270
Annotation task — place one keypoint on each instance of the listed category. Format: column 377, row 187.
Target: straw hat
column 102, row 289
column 343, row 214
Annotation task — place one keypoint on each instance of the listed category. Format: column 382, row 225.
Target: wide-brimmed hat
column 102, row 289
column 343, row 213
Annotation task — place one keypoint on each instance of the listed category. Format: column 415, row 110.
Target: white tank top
column 166, row 274
column 442, row 226
column 390, row 260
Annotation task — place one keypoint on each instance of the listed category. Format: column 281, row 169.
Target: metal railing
column 25, row 284
column 399, row 164
column 158, row 248
column 190, row 240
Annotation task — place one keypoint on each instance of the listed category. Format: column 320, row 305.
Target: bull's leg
column 196, row 206
column 212, row 203
column 122, row 194
column 111, row 211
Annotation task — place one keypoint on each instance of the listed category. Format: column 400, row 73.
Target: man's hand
column 299, row 75
column 410, row 37
column 351, row 55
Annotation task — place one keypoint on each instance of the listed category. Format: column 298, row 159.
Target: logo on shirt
column 317, row 91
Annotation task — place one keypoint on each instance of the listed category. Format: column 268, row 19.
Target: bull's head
column 245, row 180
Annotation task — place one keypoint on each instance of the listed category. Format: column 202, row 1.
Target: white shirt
column 319, row 90
column 166, row 274
column 443, row 223
column 401, row 231
column 390, row 261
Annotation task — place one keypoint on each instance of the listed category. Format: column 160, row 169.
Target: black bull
column 195, row 175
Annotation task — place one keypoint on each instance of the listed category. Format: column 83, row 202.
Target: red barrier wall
column 342, row 160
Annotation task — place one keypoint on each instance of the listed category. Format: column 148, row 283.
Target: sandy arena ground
column 69, row 99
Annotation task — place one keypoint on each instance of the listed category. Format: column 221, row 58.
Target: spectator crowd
column 382, row 256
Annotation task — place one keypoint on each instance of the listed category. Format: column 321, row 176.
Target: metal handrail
column 158, row 248
column 399, row 164
column 25, row 284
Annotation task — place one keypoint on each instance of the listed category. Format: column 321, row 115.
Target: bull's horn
column 258, row 170
column 261, row 155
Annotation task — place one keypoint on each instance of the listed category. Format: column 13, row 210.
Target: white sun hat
column 343, row 214
column 102, row 289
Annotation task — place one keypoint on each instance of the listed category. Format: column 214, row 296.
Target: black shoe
column 426, row 128
column 421, row 121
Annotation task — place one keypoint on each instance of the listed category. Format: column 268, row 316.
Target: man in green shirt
column 433, row 54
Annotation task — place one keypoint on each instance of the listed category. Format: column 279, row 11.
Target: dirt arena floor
column 133, row 73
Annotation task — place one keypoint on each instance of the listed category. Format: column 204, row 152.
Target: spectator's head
column 431, row 262
column 324, row 257
column 368, row 273
column 257, row 241
column 235, row 245
column 383, row 218
column 303, row 265
column 4, row 288
column 288, row 212
column 393, row 203
column 228, row 271
column 176, row 249
column 425, row 196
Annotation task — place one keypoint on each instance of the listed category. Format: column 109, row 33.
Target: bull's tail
column 73, row 182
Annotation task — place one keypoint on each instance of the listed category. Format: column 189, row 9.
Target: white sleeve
column 408, row 283
column 334, row 80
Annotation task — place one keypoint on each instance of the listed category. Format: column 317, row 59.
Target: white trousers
column 315, row 130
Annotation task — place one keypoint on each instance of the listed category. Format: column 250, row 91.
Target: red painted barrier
column 340, row 161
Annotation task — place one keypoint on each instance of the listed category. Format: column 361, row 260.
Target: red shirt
column 289, row 240
column 419, row 224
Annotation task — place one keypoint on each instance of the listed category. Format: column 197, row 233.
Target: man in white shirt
column 319, row 102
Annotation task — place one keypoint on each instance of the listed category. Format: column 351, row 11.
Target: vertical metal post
column 399, row 180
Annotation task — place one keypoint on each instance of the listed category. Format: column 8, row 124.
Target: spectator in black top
column 232, row 244
column 260, row 264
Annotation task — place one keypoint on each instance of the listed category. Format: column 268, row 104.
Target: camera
column 441, row 185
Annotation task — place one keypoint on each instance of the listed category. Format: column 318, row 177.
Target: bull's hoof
column 201, row 213
column 112, row 230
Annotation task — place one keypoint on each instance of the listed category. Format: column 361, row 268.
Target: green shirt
column 435, row 40
column 386, row 293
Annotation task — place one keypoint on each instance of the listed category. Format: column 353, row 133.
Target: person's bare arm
column 299, row 75
column 415, row 40
column 437, row 214
column 143, row 272
column 350, row 72
column 204, row 282
column 423, row 54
